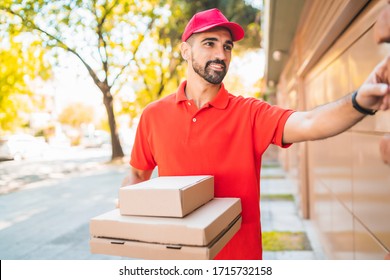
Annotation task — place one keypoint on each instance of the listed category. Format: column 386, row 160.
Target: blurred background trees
column 129, row 48
column 21, row 64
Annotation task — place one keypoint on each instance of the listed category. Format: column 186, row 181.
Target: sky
column 71, row 83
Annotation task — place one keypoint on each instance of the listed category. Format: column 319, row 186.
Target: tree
column 161, row 69
column 118, row 41
column 77, row 114
column 104, row 36
column 20, row 64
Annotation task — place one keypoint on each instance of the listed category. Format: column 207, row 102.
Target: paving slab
column 283, row 214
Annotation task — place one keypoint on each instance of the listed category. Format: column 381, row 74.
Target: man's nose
column 220, row 53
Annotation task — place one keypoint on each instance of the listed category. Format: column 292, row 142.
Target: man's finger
column 379, row 90
column 387, row 71
column 385, row 102
column 382, row 27
column 381, row 72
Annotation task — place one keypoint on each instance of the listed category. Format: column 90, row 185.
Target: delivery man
column 202, row 129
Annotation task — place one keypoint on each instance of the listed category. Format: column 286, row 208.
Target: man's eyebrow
column 215, row 39
column 209, row 39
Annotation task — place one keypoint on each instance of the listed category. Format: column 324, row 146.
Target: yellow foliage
column 77, row 114
column 19, row 65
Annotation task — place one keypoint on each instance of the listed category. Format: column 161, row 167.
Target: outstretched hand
column 382, row 26
column 374, row 94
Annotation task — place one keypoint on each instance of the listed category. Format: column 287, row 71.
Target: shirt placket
column 195, row 121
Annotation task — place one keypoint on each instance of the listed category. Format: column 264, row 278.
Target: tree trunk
column 117, row 152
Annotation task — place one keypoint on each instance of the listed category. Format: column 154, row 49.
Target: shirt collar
column 220, row 101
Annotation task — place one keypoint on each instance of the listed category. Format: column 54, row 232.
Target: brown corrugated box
column 166, row 196
column 199, row 235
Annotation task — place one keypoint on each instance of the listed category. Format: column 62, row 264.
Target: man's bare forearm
column 322, row 122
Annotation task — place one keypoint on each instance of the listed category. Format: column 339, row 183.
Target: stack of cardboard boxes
column 173, row 217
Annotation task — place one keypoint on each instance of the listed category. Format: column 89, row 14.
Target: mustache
column 217, row 61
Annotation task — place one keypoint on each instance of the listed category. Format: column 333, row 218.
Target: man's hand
column 382, row 26
column 374, row 94
column 384, row 148
column 335, row 117
column 136, row 176
column 369, row 96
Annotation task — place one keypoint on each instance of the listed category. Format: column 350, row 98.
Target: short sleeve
column 141, row 154
column 268, row 123
column 278, row 136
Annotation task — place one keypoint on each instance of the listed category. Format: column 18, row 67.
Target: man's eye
column 210, row 44
column 228, row 48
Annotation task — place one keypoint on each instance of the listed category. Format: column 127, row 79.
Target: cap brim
column 235, row 29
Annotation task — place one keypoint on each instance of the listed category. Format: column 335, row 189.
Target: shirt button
column 194, row 120
column 189, row 103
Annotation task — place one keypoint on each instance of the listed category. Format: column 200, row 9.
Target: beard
column 212, row 76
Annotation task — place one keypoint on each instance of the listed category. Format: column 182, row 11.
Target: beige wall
column 345, row 186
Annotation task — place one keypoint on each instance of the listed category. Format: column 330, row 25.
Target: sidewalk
column 279, row 214
column 56, row 166
column 34, row 213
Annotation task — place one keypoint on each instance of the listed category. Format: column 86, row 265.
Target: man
column 203, row 129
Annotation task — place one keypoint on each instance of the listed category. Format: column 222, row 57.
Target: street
column 46, row 214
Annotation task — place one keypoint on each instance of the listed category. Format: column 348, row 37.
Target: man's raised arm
column 335, row 117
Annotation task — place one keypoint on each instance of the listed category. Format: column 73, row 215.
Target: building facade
column 316, row 52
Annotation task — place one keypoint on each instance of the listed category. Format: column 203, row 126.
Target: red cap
column 209, row 19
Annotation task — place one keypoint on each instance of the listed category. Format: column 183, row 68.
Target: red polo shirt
column 226, row 138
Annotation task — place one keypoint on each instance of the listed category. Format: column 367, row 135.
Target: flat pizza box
column 166, row 196
column 199, row 235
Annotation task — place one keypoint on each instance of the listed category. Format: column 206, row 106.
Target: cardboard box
column 199, row 235
column 166, row 196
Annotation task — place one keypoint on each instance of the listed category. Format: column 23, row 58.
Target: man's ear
column 185, row 50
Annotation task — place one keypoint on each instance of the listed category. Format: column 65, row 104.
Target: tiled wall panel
column 349, row 185
column 365, row 246
column 371, row 187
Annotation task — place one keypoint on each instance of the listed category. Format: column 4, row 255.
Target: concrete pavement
column 51, row 220
column 57, row 164
column 48, row 218
column 282, row 215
